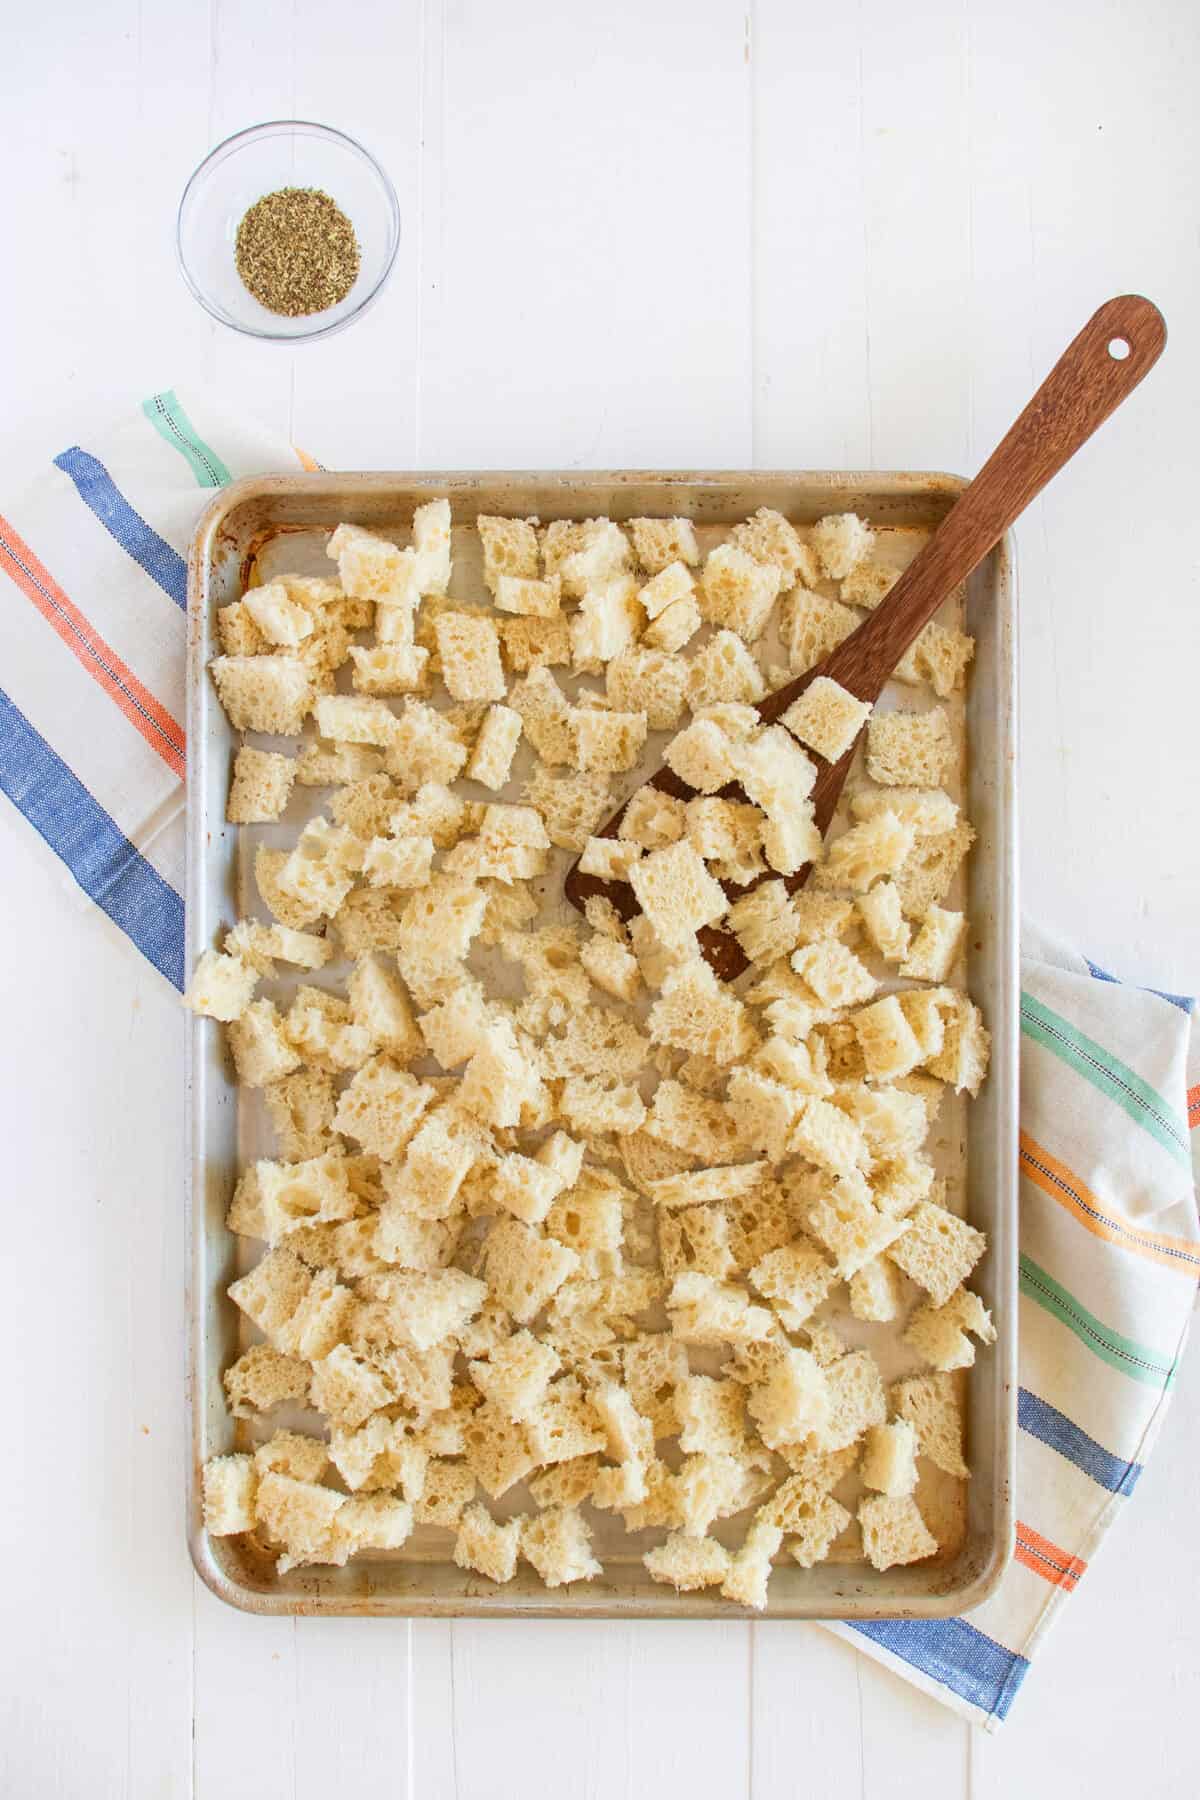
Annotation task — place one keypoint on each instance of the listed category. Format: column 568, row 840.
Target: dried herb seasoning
column 296, row 252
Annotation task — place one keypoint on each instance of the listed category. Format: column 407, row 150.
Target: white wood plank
column 434, row 1749
column 356, row 395
column 371, row 1660
column 95, row 1659
column 912, row 1746
column 690, row 1709
column 806, row 1720
column 246, row 1674
column 585, row 294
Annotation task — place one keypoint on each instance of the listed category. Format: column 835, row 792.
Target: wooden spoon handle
column 1120, row 344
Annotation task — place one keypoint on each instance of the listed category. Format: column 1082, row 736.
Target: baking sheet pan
column 266, row 524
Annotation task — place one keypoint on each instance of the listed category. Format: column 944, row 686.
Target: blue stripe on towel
column 1050, row 1427
column 956, row 1655
column 1183, row 1001
column 100, row 857
column 152, row 553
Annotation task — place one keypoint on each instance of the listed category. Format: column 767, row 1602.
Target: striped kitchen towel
column 92, row 754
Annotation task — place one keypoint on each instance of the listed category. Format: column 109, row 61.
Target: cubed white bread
column 529, row 599
column 939, row 1334
column 841, row 541
column 613, row 967
column 389, row 668
column 649, row 682
column 883, row 921
column 531, row 643
column 836, row 976
column 906, row 749
column 660, row 542
column 372, row 568
column 705, row 1312
column 889, row 1459
column 491, row 759
column 572, row 805
column 936, row 946
column 261, row 785
column 938, row 1251
column 792, row 1401
column 847, row 1222
column 963, row 1058
column 510, row 548
column 667, row 588
column 523, row 1268
column 930, row 1404
column 940, row 656
column 676, row 892
column 737, row 592
column 875, row 1291
column 431, row 542
column 675, row 626
column 608, row 742
column 768, row 538
column 889, row 1046
column 486, row 1546
column 811, row 626
column 354, row 719
column 327, row 764
column 827, row 718
column 558, row 1544
column 516, row 1375
column 222, row 987
column 697, row 1013
column 398, row 862
column 894, row 1532
column 687, row 1563
column 796, row 1279
column 230, row 1487
column 876, row 848
column 723, row 669
column 750, row 1571
column 469, row 650
column 263, row 693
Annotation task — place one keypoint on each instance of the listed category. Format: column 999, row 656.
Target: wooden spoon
column 1119, row 344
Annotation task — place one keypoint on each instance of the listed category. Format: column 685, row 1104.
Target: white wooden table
column 653, row 232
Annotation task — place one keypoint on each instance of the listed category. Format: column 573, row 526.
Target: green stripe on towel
column 172, row 424
column 1107, row 1074
column 1133, row 1359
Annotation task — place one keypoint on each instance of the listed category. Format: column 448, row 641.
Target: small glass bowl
column 283, row 153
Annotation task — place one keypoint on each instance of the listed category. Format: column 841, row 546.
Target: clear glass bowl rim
column 218, row 154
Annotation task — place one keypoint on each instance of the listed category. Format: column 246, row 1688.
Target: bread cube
column 848, row 1224
column 382, row 1107
column 737, row 592
column 930, row 1405
column 531, row 643
column 486, row 1546
column 292, row 1453
column 826, row 718
column 856, row 1401
column 698, row 1013
column 766, row 1111
column 702, row 756
column 263, row 693
column 610, row 742
column 262, row 783
column 510, row 549
column 768, row 538
column 791, row 838
column 709, row 1488
column 558, row 1544
column 236, row 631
column 389, row 668
column 939, row 656
column 876, row 848
column 868, row 583
column 676, row 892
column 889, row 1459
column 612, row 967
column 222, row 986
column 888, row 1045
column 326, row 763
column 491, row 759
column 423, row 747
column 834, row 973
column 607, row 621
column 906, row 749
column 935, row 947
column 706, row 1312
column 499, row 1081
column 263, row 1377
column 271, row 1292
column 811, row 626
column 687, row 1562
column 351, row 719
column 516, row 1375
column 523, row 1268
column 698, row 1187
column 610, row 859
column 894, row 1532
column 774, row 771
column 938, row 1251
column 963, row 1059
column 398, row 862
column 648, row 682
column 724, row 670
column 431, row 542
column 470, row 655
column 321, row 1029
column 939, row 1333
column 841, row 541
column 795, row 1279
column 660, row 542
column 793, row 1400
column 230, row 1486
column 675, row 626
column 591, row 1105
column 927, row 811
column 710, row 1416
column 750, row 1570
column 371, row 568
column 380, row 1004
column 899, row 1183
column 449, row 1488
column 808, row 1511
column 525, row 1188
column 585, row 553
column 883, row 921
column 298, row 1193
column 300, row 1516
